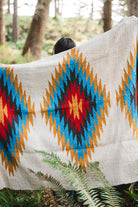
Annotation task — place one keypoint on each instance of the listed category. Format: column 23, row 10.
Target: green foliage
column 48, row 198
column 9, row 33
column 104, row 196
column 19, row 45
column 9, row 54
column 24, row 23
column 48, row 47
column 74, row 28
column 9, row 198
column 107, row 0
column 58, row 188
column 132, row 192
column 108, row 193
column 56, row 28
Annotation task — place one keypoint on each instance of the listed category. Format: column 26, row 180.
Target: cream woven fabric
column 80, row 104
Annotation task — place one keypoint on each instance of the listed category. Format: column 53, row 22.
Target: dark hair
column 63, row 44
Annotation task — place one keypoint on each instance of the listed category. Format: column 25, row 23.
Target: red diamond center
column 75, row 106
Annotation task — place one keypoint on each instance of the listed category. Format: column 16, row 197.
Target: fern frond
column 76, row 177
column 58, row 188
column 108, row 193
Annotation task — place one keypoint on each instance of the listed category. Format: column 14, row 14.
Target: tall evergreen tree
column 15, row 23
column 132, row 7
column 58, row 7
column 36, row 32
column 107, row 15
column 90, row 17
column 9, row 11
column 2, row 25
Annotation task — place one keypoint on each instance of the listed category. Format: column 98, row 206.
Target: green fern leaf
column 108, row 193
column 58, row 188
column 76, row 177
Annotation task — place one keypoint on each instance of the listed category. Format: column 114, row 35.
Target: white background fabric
column 117, row 151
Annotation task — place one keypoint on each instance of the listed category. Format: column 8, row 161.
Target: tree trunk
column 89, row 18
column 36, row 32
column 61, row 7
column 107, row 16
column 132, row 7
column 57, row 7
column 91, row 13
column 2, row 25
column 15, row 23
column 9, row 11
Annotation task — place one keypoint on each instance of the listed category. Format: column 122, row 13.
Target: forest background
column 30, row 28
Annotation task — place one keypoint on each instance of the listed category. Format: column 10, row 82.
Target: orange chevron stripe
column 12, row 167
column 119, row 93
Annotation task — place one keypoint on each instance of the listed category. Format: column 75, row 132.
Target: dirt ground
column 129, row 202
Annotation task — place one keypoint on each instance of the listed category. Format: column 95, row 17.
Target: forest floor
column 47, row 197
column 129, row 201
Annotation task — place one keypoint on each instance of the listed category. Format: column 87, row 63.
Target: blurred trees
column 36, row 32
column 107, row 15
column 81, row 8
column 15, row 23
column 83, row 5
column 123, row 9
column 91, row 13
column 132, row 7
column 58, row 7
column 9, row 11
column 2, row 25
column 90, row 17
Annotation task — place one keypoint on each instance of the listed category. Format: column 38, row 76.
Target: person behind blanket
column 63, row 44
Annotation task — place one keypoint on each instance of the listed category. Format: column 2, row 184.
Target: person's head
column 63, row 44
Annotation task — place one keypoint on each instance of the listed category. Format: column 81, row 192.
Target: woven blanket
column 80, row 104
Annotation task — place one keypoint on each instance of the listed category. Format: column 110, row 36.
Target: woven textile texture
column 80, row 104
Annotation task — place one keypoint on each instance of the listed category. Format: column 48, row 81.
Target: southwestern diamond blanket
column 80, row 104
